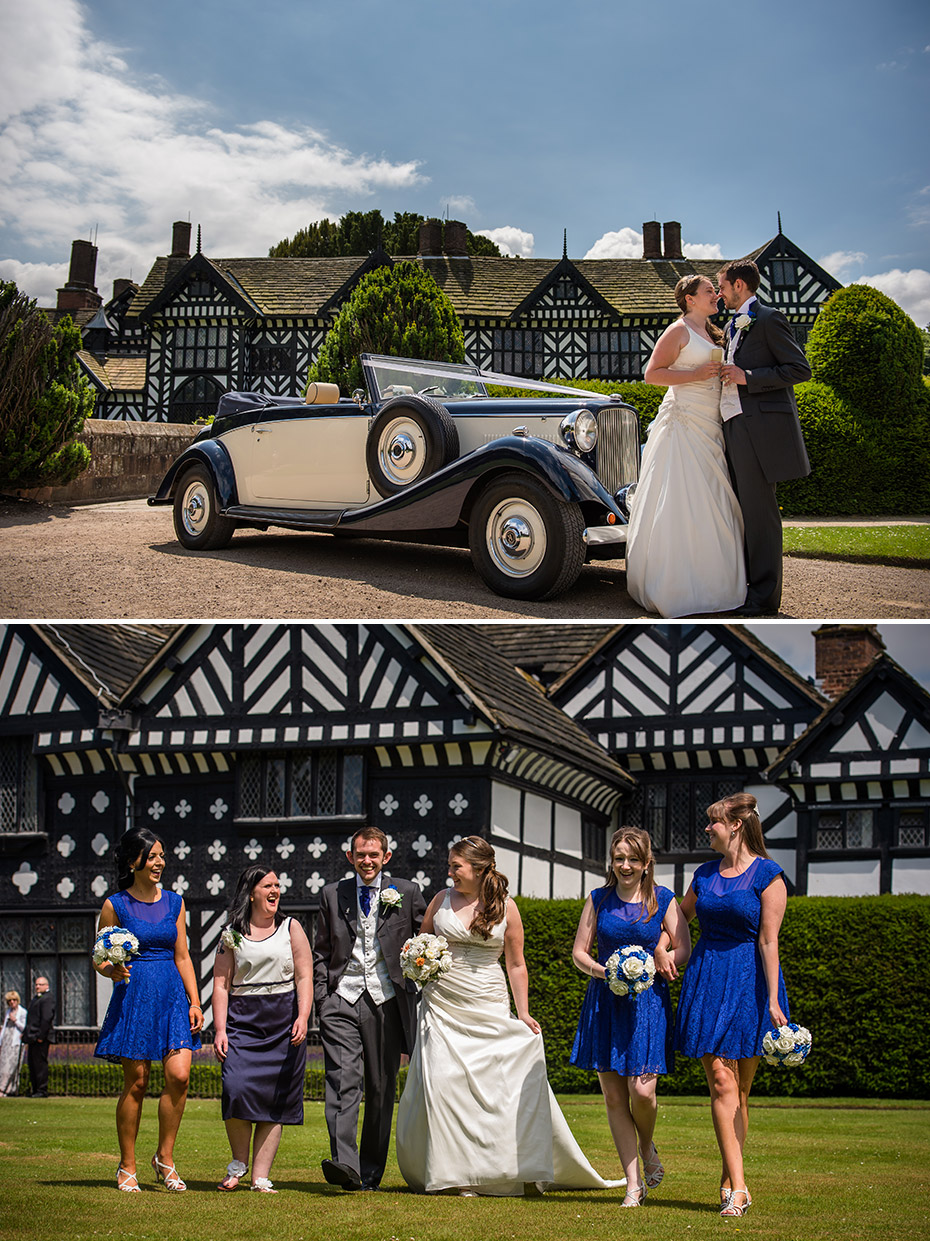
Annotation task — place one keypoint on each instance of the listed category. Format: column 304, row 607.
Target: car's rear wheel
column 198, row 522
column 412, row 437
column 525, row 542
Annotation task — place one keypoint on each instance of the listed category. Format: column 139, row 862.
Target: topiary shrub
column 869, row 351
column 44, row 399
column 400, row 311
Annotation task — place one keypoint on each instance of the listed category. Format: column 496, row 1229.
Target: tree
column 44, row 399
column 360, row 232
column 397, row 310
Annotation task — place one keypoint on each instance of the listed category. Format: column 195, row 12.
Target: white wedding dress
column 477, row 1110
column 685, row 539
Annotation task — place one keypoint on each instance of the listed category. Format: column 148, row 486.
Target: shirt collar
column 744, row 309
column 375, row 884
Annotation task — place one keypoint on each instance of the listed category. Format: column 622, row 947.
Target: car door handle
column 261, row 430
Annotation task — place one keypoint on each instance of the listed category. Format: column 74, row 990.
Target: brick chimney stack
column 180, row 239
column 842, row 654
column 429, row 244
column 454, row 239
column 672, row 249
column 80, row 293
column 652, row 240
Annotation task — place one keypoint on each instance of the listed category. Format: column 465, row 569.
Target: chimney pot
column 652, row 240
column 120, row 285
column 429, row 244
column 181, row 239
column 672, row 248
column 842, row 654
column 454, row 239
column 80, row 292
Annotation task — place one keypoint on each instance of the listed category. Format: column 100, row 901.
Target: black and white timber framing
column 273, row 742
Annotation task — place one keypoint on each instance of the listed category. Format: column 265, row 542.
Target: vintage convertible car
column 533, row 485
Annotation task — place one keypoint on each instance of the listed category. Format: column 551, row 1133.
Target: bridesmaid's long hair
column 492, row 885
column 240, row 909
column 640, row 846
column 137, row 841
column 741, row 808
column 686, row 287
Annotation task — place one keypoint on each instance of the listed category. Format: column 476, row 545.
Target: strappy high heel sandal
column 262, row 1185
column 235, row 1171
column 168, row 1173
column 737, row 1208
column 653, row 1171
column 130, row 1185
column 635, row 1197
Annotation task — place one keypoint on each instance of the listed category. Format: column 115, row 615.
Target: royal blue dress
column 724, row 1006
column 150, row 1015
column 615, row 1033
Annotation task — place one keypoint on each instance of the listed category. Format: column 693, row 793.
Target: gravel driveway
column 122, row 561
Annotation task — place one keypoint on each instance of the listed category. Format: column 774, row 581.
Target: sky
column 523, row 118
column 907, row 642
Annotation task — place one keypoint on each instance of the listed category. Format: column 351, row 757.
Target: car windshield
column 387, row 377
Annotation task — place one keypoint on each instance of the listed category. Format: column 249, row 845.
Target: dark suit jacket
column 39, row 1018
column 336, row 928
column 774, row 362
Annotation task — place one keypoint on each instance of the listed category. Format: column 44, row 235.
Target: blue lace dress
column 724, row 1009
column 630, row 1037
column 148, row 1016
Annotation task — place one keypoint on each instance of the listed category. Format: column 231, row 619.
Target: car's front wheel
column 525, row 542
column 412, row 437
column 198, row 522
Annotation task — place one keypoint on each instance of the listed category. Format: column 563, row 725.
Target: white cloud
column 511, row 241
column 702, row 250
column 461, row 203
column 910, row 289
column 625, row 244
column 89, row 143
column 840, row 262
column 40, row 280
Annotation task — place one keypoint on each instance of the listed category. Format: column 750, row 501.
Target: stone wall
column 127, row 461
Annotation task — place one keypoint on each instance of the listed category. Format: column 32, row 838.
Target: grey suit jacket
column 774, row 362
column 337, row 924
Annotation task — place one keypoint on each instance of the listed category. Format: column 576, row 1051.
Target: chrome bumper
column 599, row 536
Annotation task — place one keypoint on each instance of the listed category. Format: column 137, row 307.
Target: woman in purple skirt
column 262, row 996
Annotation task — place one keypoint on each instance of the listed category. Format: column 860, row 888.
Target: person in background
column 11, row 1040
column 38, row 1037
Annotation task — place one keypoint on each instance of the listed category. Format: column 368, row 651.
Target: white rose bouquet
column 631, row 971
column 425, row 957
column 114, row 944
column 787, row 1046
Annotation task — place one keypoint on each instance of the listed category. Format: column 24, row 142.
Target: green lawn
column 826, row 1170
column 909, row 545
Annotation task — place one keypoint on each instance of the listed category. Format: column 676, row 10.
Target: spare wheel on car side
column 411, row 438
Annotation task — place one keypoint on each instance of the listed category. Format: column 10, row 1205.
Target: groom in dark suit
column 761, row 428
column 366, row 1008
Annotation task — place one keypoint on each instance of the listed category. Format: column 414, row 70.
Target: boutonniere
column 745, row 321
column 391, row 898
column 231, row 938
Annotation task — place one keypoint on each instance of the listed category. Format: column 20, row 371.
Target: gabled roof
column 780, row 246
column 565, row 269
column 174, row 279
column 547, row 652
column 106, row 658
column 114, row 374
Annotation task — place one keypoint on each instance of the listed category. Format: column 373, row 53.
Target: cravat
column 364, row 896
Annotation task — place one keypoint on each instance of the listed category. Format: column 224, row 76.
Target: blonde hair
column 492, row 885
column 11, row 996
column 641, row 847
column 741, row 808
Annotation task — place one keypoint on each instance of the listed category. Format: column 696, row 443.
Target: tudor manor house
column 199, row 326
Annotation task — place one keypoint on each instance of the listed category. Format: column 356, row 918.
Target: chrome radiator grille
column 617, row 447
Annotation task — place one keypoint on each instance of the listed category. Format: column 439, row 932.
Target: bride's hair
column 741, row 808
column 686, row 287
column 492, row 885
column 640, row 846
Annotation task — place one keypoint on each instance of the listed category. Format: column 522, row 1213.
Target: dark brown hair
column 492, row 885
column 686, row 287
column 370, row 833
column 741, row 808
column 742, row 269
column 641, row 848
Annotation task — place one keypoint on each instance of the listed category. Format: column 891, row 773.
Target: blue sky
column 521, row 117
column 907, row 642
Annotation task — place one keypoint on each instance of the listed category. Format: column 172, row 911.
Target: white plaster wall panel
column 842, row 878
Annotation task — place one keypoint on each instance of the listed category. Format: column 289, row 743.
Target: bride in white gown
column 477, row 1114
column 685, row 538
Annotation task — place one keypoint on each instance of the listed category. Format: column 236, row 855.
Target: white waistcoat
column 366, row 970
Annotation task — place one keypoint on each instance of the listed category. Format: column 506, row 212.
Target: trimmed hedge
column 857, row 974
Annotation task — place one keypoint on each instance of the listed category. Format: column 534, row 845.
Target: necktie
column 364, row 896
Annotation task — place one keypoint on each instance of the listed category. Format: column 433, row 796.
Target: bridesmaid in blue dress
column 154, row 1012
column 733, row 990
column 628, row 1041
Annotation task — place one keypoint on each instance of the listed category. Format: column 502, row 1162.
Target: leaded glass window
column 18, row 786
column 613, row 354
column 196, row 398
column 57, row 948
column 201, row 347
column 851, row 828
column 673, row 812
column 302, row 784
column 519, row 352
column 912, row 829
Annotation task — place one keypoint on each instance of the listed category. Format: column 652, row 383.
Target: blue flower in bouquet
column 114, row 944
column 631, row 971
column 786, row 1046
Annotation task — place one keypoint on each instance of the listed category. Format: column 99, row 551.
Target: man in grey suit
column 761, row 428
column 366, row 1008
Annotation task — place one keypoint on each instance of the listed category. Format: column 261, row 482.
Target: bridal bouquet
column 114, row 944
column 630, row 971
column 425, row 957
column 787, row 1046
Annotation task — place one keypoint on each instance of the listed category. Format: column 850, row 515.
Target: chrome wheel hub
column 401, row 451
column 194, row 511
column 516, row 537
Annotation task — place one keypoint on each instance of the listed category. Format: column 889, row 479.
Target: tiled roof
column 123, row 374
column 545, row 651
column 513, row 702
column 107, row 658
